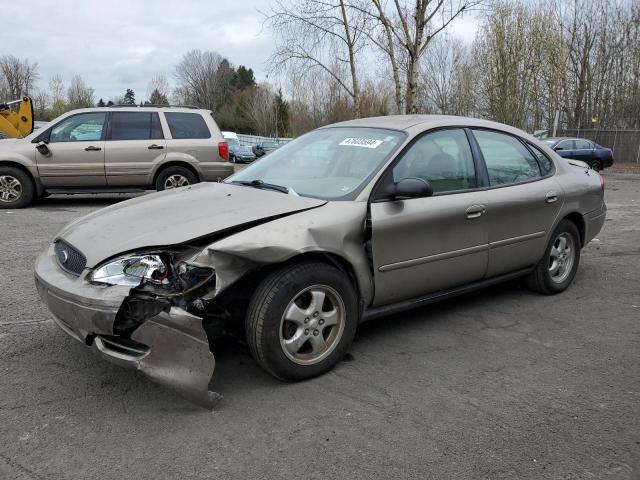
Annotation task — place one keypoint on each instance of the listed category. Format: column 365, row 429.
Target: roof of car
column 406, row 122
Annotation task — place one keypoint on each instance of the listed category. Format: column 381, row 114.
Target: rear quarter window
column 187, row 125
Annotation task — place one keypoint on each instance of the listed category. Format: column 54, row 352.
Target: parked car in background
column 594, row 155
column 349, row 222
column 262, row 148
column 238, row 153
column 113, row 149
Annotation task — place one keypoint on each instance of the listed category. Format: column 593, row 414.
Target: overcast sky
column 119, row 44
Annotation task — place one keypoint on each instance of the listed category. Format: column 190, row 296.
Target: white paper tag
column 361, row 142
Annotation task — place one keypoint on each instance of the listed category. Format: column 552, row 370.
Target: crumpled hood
column 174, row 217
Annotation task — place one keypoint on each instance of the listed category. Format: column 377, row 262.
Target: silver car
column 349, row 222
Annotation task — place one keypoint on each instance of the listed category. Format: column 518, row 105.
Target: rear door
column 523, row 201
column 583, row 150
column 423, row 245
column 135, row 143
column 76, row 146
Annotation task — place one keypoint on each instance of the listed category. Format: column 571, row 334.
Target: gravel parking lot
column 502, row 383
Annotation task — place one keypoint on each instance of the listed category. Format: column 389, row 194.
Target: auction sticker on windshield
column 362, row 142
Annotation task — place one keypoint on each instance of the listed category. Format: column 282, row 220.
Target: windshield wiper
column 262, row 184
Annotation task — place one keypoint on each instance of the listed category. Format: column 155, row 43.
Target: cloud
column 116, row 44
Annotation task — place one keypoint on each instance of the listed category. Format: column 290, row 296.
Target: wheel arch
column 174, row 163
column 37, row 184
column 578, row 220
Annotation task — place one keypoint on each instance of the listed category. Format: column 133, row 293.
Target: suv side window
column 187, row 125
column 134, row 126
column 507, row 159
column 443, row 158
column 583, row 144
column 84, row 127
column 545, row 163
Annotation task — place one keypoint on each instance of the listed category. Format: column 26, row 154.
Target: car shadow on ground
column 76, row 201
column 237, row 374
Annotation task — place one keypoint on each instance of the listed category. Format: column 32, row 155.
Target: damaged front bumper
column 171, row 347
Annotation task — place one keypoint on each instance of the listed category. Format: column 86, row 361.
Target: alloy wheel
column 175, row 181
column 312, row 325
column 561, row 257
column 10, row 189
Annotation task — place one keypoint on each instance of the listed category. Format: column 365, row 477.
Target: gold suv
column 113, row 150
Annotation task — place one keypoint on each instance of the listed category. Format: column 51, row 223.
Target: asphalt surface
column 502, row 383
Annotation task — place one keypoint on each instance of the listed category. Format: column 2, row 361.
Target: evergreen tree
column 129, row 97
column 281, row 110
column 100, row 103
column 244, row 78
column 109, row 103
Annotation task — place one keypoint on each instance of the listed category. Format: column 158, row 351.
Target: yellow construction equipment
column 16, row 121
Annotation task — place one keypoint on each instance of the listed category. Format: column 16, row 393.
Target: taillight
column 223, row 150
column 601, row 181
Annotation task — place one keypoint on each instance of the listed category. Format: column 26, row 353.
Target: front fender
column 336, row 228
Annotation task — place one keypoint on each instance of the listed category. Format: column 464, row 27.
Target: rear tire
column 555, row 272
column 174, row 177
column 16, row 188
column 301, row 320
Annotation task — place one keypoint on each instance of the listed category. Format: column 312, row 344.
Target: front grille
column 69, row 258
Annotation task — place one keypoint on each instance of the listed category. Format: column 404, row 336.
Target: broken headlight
column 134, row 269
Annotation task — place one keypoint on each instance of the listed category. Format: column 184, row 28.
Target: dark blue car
column 596, row 156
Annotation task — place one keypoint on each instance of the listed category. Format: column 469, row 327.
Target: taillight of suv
column 223, row 150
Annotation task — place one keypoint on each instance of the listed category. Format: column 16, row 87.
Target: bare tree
column 158, row 87
column 19, row 76
column 204, row 79
column 321, row 35
column 79, row 95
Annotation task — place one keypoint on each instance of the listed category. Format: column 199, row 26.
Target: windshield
column 329, row 163
column 550, row 141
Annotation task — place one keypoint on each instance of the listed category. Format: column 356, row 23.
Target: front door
column 523, row 201
column 423, row 245
column 135, row 145
column 76, row 152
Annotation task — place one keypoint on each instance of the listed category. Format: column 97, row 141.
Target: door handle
column 474, row 211
column 551, row 197
column 155, row 147
column 91, row 148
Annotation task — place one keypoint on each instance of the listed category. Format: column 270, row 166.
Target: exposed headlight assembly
column 133, row 270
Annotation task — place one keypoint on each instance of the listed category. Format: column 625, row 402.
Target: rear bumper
column 171, row 348
column 214, row 171
column 593, row 222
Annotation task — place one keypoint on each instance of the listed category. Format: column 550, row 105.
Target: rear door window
column 135, row 126
column 583, row 144
column 187, row 125
column 508, row 160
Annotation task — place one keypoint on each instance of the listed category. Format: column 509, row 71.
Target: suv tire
column 174, row 177
column 301, row 320
column 16, row 188
column 555, row 272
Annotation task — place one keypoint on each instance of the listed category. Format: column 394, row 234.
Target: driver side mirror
column 411, row 187
column 42, row 148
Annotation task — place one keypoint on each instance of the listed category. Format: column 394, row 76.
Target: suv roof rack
column 124, row 105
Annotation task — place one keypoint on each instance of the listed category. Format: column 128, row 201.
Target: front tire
column 555, row 272
column 596, row 165
column 174, row 177
column 301, row 320
column 16, row 188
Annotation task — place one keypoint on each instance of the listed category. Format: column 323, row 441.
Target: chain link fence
column 625, row 144
column 251, row 140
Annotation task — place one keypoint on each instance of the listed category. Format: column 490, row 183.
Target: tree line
column 202, row 79
column 529, row 63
